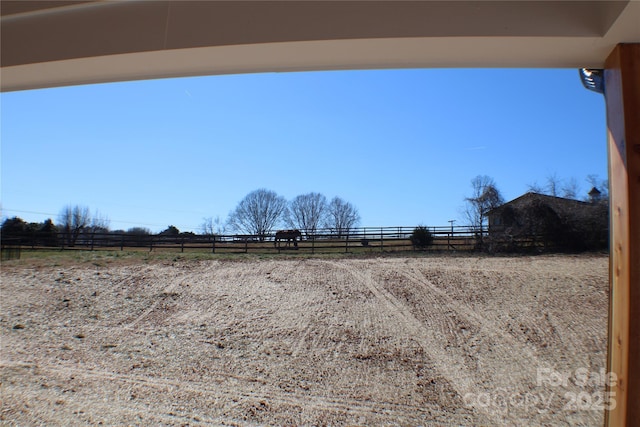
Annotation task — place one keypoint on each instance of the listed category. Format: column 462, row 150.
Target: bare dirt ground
column 379, row 341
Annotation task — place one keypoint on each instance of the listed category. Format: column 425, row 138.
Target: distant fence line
column 359, row 239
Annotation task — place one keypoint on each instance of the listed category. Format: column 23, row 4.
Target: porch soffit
column 55, row 43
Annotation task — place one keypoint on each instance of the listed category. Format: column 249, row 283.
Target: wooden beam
column 622, row 95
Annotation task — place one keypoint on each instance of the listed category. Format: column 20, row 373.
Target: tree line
column 259, row 213
column 263, row 211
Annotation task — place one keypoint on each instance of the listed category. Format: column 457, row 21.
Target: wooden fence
column 360, row 240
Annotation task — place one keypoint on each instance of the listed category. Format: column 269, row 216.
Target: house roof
column 559, row 204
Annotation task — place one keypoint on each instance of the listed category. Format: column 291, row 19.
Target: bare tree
column 485, row 196
column 207, row 227
column 307, row 212
column 212, row 226
column 536, row 188
column 567, row 188
column 570, row 188
column 553, row 185
column 341, row 216
column 77, row 220
column 99, row 223
column 258, row 213
column 73, row 220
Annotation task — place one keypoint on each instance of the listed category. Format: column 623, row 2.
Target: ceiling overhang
column 58, row 43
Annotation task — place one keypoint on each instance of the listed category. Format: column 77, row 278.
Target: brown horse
column 289, row 236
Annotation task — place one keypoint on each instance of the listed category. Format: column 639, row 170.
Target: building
column 547, row 222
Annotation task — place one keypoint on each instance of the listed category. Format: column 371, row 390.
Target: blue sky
column 401, row 145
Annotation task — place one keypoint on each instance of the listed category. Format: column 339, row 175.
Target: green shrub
column 421, row 238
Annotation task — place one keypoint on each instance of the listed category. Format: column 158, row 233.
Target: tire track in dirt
column 233, row 387
column 518, row 351
column 314, row 401
column 101, row 408
column 320, row 343
column 164, row 294
column 445, row 362
column 509, row 346
column 304, row 336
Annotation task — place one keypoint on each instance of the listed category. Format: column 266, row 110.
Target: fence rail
column 361, row 239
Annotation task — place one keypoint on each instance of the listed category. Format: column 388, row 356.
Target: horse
column 288, row 235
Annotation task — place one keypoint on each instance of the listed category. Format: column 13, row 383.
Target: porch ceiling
column 57, row 43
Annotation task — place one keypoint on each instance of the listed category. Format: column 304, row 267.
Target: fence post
column 381, row 239
column 213, row 246
column 182, row 245
column 346, row 243
column 151, row 244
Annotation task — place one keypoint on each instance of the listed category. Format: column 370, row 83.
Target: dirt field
column 378, row 341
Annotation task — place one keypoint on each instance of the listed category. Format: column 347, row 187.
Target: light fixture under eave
column 592, row 79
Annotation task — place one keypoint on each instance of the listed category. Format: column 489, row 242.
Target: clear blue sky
column 401, row 145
